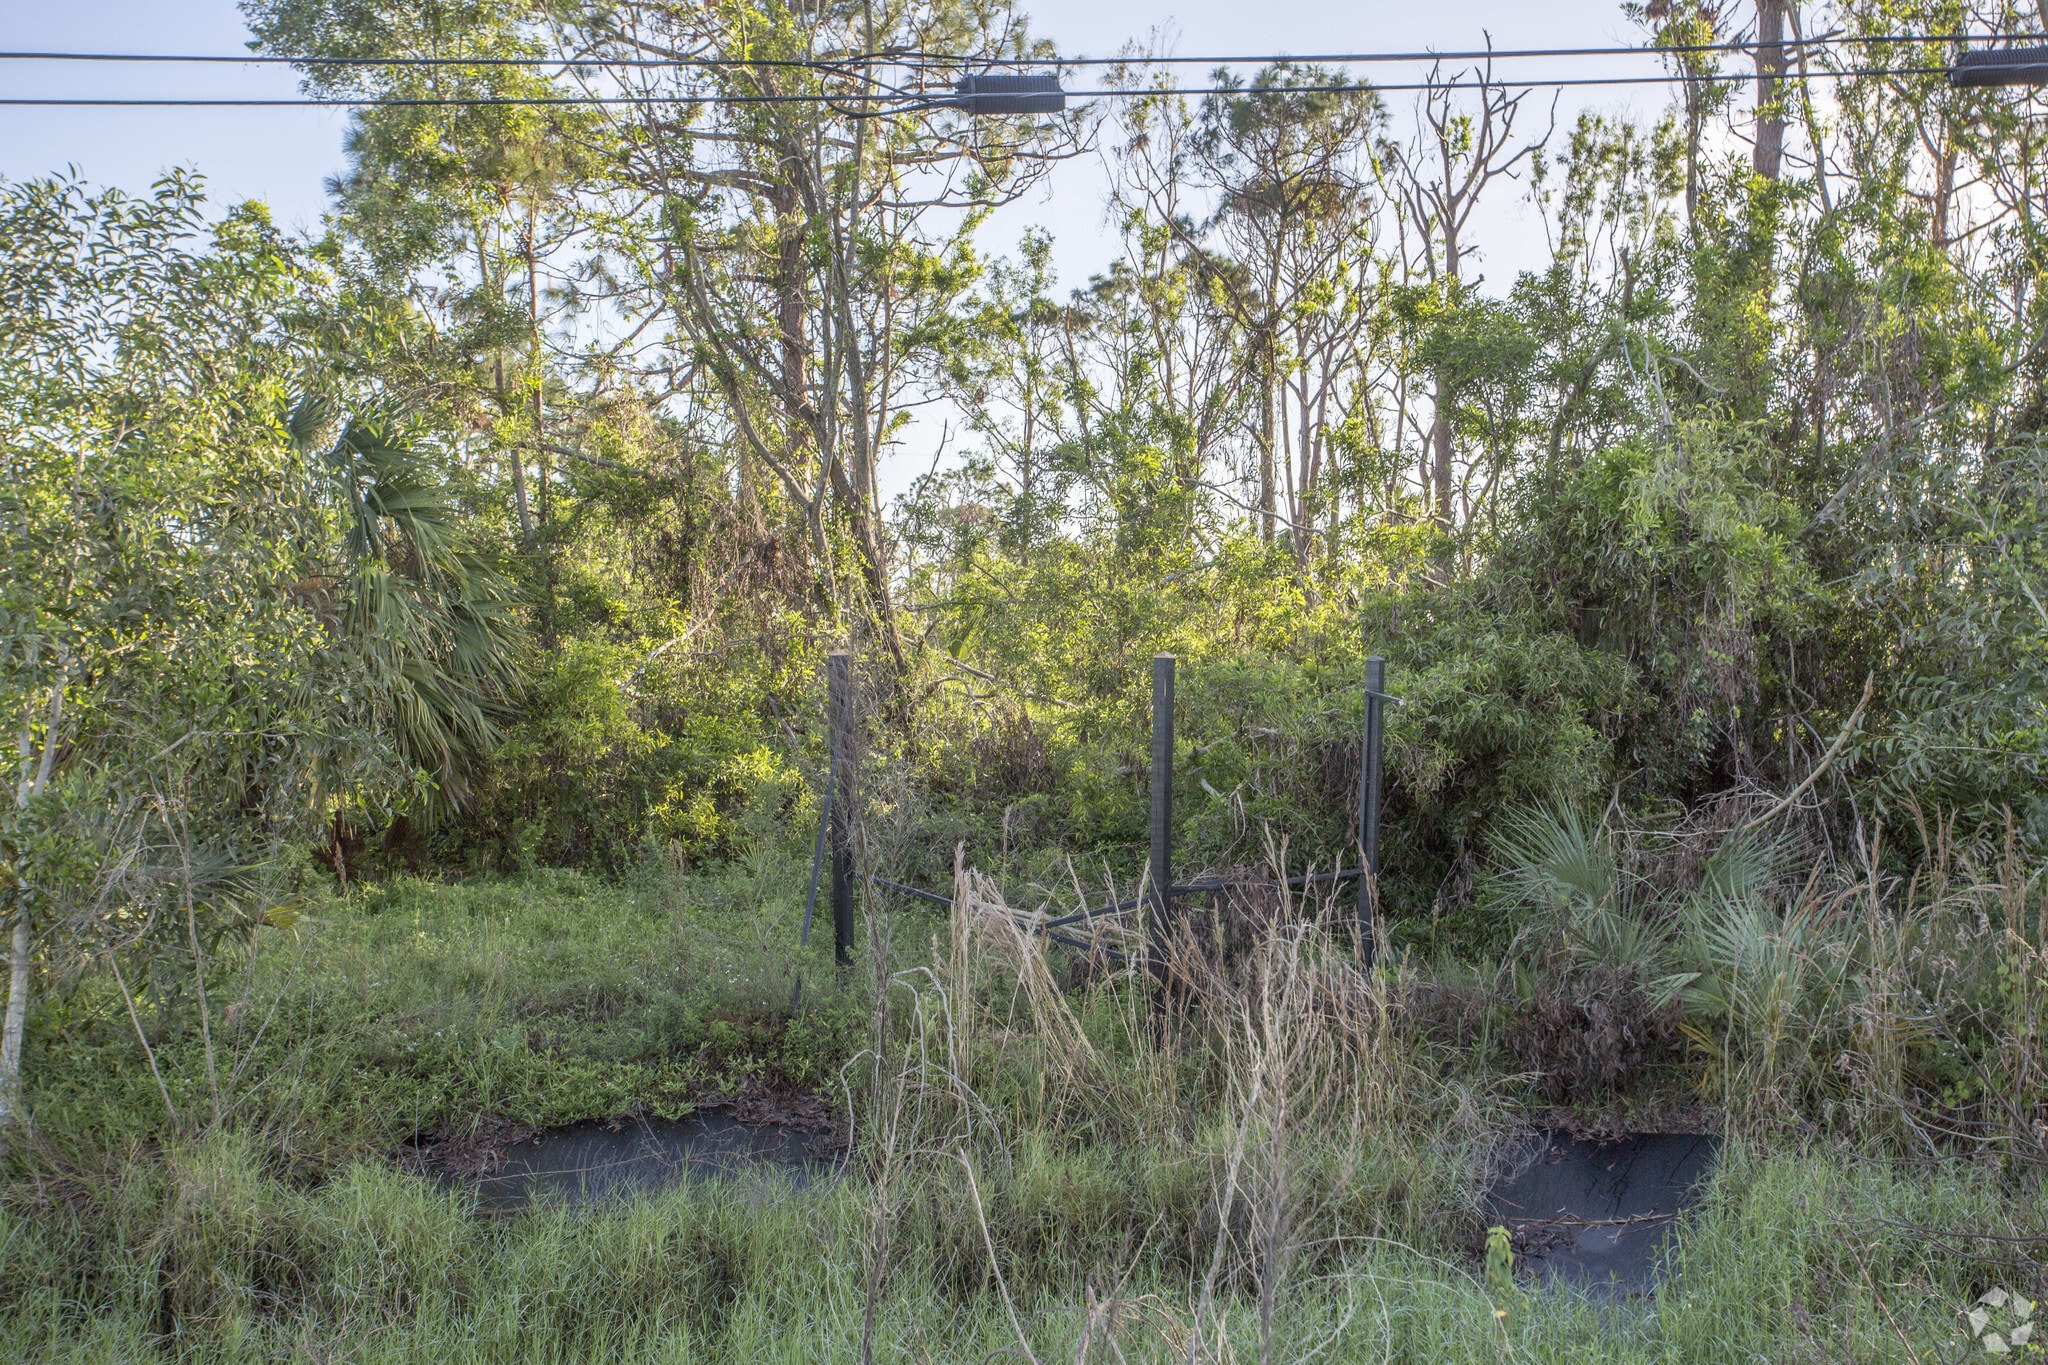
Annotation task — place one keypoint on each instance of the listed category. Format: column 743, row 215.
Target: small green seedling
column 1500, row 1271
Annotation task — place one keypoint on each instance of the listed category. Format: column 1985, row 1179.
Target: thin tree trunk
column 19, row 978
column 518, row 467
column 11, row 1111
column 540, row 440
column 199, row 987
column 1770, row 71
column 525, row 510
column 540, row 428
column 856, row 486
column 1440, row 454
column 1944, row 189
column 1266, row 498
column 1283, row 461
column 1305, row 531
column 1305, row 515
column 1820, row 155
column 793, row 324
column 1694, row 119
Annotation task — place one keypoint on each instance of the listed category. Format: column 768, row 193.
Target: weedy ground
column 1285, row 1166
column 209, row 1256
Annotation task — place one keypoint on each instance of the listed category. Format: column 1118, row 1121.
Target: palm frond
column 435, row 624
column 1742, row 866
column 1550, row 857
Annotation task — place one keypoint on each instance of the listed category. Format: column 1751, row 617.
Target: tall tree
column 806, row 231
column 1293, row 229
column 1467, row 142
column 461, row 197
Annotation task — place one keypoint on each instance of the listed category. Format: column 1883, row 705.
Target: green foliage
column 158, row 522
column 1741, row 494
column 429, row 618
column 1965, row 590
column 386, row 1015
column 1798, row 997
column 619, row 745
column 1741, row 443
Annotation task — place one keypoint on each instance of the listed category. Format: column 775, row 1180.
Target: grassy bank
column 1286, row 1166
column 208, row 1255
column 370, row 1018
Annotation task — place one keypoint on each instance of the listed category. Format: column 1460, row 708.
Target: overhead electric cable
column 939, row 97
column 253, row 59
column 1818, row 40
column 959, row 59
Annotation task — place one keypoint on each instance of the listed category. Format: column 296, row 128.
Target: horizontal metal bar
column 1119, row 907
column 1084, row 945
column 1098, row 912
column 1050, row 928
column 1046, row 928
column 932, row 896
column 1195, row 888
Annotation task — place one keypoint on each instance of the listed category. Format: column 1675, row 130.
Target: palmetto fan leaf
column 1554, row 859
column 1550, row 857
column 434, row 622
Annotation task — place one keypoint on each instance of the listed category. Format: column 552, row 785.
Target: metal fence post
column 1161, row 869
column 839, row 709
column 1369, row 806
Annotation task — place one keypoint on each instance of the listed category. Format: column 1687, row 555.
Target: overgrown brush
column 1785, row 988
column 1276, row 1165
column 1246, row 1138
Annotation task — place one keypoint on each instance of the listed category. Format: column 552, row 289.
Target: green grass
column 207, row 1256
column 290, row 1230
column 412, row 1004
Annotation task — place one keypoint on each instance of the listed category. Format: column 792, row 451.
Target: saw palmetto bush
column 1587, row 992
column 432, row 622
column 1780, row 990
column 1903, row 1005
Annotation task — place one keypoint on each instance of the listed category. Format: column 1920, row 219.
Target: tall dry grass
column 1252, row 1121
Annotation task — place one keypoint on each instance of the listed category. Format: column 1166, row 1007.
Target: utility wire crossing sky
column 1818, row 40
column 2027, row 68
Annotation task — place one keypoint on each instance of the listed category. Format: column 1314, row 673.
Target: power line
column 1789, row 45
column 900, row 103
column 251, row 59
column 902, row 55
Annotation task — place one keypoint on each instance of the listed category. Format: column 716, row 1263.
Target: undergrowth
column 1278, row 1157
column 409, row 1005
column 209, row 1256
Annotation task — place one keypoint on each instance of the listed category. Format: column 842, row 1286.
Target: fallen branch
column 1826, row 759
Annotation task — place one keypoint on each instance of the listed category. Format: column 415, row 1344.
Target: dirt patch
column 467, row 1149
